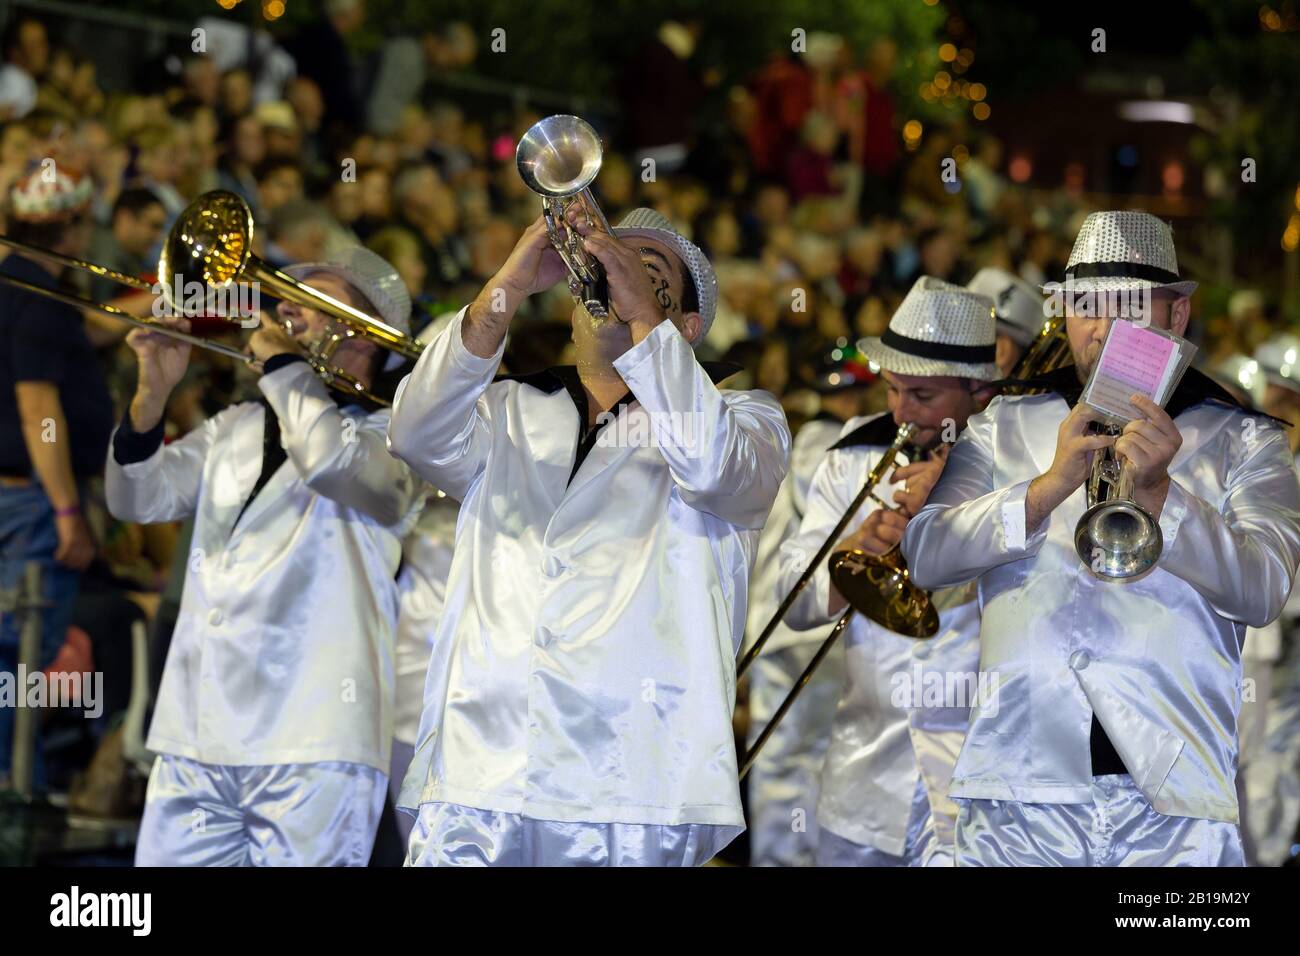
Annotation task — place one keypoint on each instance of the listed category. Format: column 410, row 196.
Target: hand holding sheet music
column 1139, row 359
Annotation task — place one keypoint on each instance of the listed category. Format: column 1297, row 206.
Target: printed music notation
column 1138, row 359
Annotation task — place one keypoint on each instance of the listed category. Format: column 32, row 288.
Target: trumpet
column 211, row 243
column 1116, row 537
column 559, row 158
column 878, row 587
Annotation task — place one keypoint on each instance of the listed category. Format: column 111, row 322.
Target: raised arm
column 143, row 481
column 727, row 452
column 342, row 457
column 440, row 421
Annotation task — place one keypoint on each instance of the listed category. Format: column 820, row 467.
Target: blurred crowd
column 815, row 210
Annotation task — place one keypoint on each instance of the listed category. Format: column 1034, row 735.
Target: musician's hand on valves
column 881, row 530
column 917, row 480
column 631, row 289
column 1075, row 447
column 161, row 362
column 1148, row 444
column 272, row 338
column 533, row 266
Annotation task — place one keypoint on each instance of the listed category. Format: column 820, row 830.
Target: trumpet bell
column 1118, row 539
column 210, row 243
column 559, row 156
column 880, row 588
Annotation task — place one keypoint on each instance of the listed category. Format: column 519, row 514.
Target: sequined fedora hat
column 1125, row 249
column 939, row 329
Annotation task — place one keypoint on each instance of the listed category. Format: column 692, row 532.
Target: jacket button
column 553, row 566
column 1080, row 660
column 214, row 617
column 922, row 650
column 544, row 637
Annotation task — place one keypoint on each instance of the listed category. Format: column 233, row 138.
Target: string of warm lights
column 271, row 9
column 1291, row 236
column 949, row 87
column 1271, row 21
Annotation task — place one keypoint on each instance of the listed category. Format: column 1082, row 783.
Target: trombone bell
column 880, row 588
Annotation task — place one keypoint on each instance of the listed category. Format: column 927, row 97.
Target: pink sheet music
column 1134, row 360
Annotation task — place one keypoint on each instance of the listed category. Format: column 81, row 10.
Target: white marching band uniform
column 784, row 779
column 422, row 588
column 579, row 698
column 883, row 798
column 275, row 715
column 1270, row 736
column 1157, row 659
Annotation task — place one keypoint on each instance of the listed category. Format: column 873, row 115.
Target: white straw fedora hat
column 375, row 278
column 1125, row 249
column 1243, row 374
column 940, row 329
column 1279, row 360
column 1017, row 305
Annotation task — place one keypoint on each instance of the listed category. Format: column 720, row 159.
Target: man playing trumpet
column 1115, row 740
column 579, row 698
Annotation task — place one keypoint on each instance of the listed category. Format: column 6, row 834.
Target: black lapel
column 1195, row 389
column 550, row 380
column 877, row 433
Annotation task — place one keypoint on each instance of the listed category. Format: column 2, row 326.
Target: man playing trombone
column 274, row 719
column 579, row 698
column 1114, row 742
column 883, row 792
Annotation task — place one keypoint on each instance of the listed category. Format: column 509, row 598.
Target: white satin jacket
column 1158, row 658
column 584, row 666
column 810, row 444
column 283, row 649
column 888, row 730
column 422, row 584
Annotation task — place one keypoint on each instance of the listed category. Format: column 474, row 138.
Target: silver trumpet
column 558, row 158
column 1116, row 537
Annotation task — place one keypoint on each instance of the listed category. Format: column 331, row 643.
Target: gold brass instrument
column 1049, row 350
column 211, row 244
column 878, row 587
column 133, row 282
column 559, row 158
column 1116, row 537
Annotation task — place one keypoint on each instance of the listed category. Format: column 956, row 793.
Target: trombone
column 559, row 158
column 877, row 586
column 211, row 243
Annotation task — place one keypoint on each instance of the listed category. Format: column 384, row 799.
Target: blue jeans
column 27, row 534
